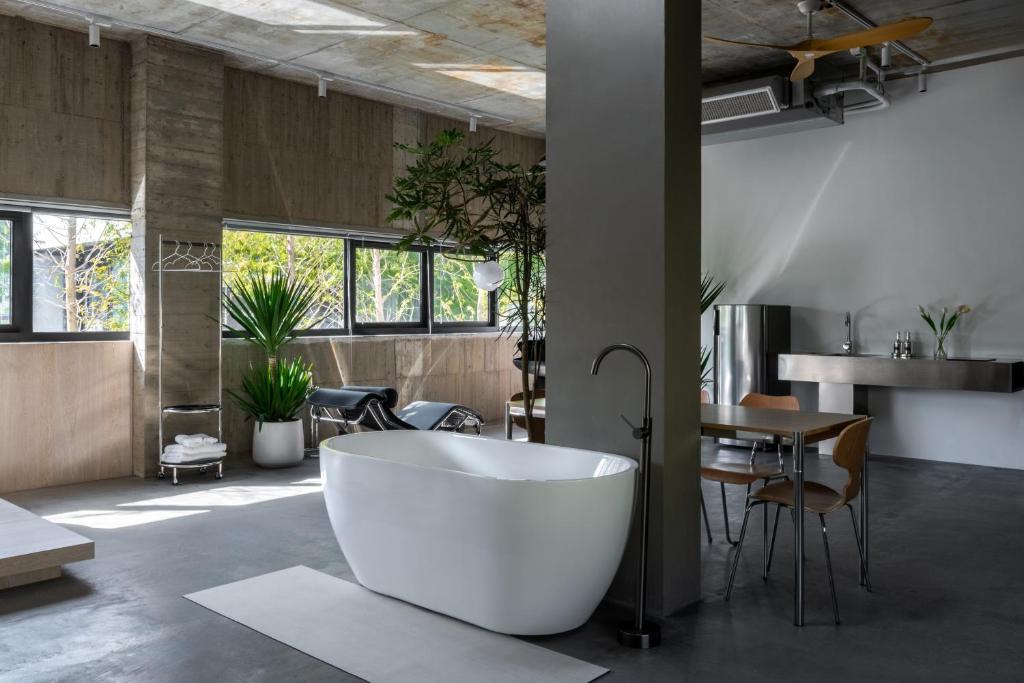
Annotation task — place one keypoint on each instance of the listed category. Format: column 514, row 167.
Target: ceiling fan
column 807, row 51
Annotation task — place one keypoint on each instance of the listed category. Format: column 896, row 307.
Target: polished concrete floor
column 948, row 600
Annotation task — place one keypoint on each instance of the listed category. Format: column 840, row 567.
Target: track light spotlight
column 94, row 34
column 321, row 86
column 886, row 55
column 473, row 118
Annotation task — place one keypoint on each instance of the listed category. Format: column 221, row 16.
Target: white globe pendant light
column 488, row 275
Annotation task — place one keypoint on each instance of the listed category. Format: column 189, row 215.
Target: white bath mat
column 380, row 639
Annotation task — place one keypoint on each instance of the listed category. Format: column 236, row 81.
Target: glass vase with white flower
column 943, row 326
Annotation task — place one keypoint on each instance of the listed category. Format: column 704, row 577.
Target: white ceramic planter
column 277, row 444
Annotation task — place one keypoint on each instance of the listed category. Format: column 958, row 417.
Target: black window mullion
column 427, row 286
column 350, row 286
column 20, row 326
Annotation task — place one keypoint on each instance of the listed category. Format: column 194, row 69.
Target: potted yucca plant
column 268, row 310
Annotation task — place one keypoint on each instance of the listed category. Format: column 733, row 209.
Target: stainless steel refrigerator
column 748, row 341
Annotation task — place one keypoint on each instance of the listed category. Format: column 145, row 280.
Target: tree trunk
column 481, row 304
column 378, row 285
column 70, row 276
column 524, row 272
column 289, row 248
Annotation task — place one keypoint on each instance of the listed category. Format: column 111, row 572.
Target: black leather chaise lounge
column 373, row 408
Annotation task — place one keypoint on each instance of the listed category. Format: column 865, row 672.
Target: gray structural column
column 177, row 143
column 624, row 256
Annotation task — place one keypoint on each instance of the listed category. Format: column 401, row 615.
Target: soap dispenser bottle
column 908, row 347
column 897, row 346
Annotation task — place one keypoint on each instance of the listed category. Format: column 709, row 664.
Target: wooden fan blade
column 872, row 36
column 724, row 41
column 804, row 68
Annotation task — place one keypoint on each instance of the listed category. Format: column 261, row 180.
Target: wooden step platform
column 33, row 549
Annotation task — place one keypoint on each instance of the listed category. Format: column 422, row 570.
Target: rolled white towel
column 195, row 450
column 178, row 454
column 193, row 440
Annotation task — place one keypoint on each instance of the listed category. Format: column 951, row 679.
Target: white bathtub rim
column 631, row 464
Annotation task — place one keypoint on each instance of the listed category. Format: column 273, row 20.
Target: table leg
column 798, row 529
column 508, row 421
column 865, row 572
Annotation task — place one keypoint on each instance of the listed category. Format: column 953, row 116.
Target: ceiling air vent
column 764, row 107
column 741, row 104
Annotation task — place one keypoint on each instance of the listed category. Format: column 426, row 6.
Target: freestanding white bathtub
column 517, row 538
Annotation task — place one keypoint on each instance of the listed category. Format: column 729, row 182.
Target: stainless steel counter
column 1004, row 376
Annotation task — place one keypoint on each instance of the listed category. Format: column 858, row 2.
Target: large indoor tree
column 466, row 198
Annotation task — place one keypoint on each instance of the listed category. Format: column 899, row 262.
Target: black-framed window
column 388, row 287
column 456, row 302
column 64, row 275
column 368, row 286
column 315, row 257
column 6, row 271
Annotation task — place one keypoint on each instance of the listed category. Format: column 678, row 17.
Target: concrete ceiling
column 489, row 55
column 485, row 56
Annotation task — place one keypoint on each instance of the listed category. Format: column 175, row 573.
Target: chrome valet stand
column 181, row 256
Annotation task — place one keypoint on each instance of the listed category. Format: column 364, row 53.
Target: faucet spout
column 595, row 368
column 848, row 344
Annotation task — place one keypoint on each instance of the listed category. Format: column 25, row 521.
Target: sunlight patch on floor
column 227, row 496
column 117, row 519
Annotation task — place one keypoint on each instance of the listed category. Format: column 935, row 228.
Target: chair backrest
column 766, row 401
column 848, row 452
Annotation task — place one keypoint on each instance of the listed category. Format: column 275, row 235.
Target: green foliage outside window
column 387, row 286
column 319, row 261
column 457, row 299
column 5, row 272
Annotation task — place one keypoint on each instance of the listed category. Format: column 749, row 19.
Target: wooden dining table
column 804, row 428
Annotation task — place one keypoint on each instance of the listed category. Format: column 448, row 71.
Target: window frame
column 422, row 326
column 21, row 327
column 468, row 326
column 309, row 232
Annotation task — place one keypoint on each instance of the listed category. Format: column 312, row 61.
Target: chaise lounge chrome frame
column 376, row 415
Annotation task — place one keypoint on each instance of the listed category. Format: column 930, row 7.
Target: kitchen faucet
column 848, row 344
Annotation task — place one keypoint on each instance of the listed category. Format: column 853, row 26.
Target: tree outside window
column 320, row 261
column 79, row 273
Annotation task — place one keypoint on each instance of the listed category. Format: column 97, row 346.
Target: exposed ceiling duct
column 732, row 105
column 765, row 107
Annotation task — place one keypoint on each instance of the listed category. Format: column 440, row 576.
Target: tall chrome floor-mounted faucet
column 848, row 344
column 639, row 633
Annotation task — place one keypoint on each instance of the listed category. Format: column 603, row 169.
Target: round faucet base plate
column 648, row 637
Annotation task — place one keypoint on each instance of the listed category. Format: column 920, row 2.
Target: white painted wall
column 921, row 203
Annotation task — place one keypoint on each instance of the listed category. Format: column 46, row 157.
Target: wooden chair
column 538, row 422
column 731, row 468
column 849, row 453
